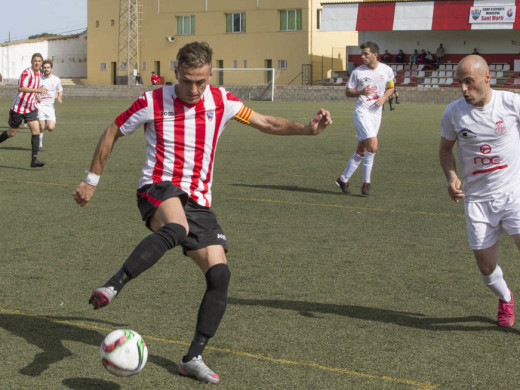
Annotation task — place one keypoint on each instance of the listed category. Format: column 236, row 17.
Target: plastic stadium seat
column 498, row 67
column 435, row 74
column 442, row 67
column 492, row 67
column 420, row 74
column 407, row 73
column 442, row 73
column 500, row 74
column 493, row 82
column 427, row 80
column 506, row 67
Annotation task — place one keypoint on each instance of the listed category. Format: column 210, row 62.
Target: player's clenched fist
column 83, row 193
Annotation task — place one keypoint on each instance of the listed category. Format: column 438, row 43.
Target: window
column 97, row 23
column 290, row 19
column 173, row 65
column 186, row 25
column 282, row 64
column 102, row 66
column 318, row 19
column 144, row 66
column 112, row 22
column 236, row 22
column 245, row 64
column 235, row 64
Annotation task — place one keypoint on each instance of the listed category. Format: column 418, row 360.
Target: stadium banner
column 492, row 14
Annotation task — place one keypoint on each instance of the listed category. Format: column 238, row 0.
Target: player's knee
column 172, row 234
column 218, row 277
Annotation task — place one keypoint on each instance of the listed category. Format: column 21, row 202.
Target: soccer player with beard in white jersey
column 24, row 107
column 46, row 112
column 485, row 124
column 372, row 84
column 182, row 124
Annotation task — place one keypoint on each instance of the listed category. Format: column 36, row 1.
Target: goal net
column 246, row 83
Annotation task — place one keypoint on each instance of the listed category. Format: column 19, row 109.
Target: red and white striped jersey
column 25, row 102
column 181, row 138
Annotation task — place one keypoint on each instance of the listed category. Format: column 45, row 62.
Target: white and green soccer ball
column 123, row 352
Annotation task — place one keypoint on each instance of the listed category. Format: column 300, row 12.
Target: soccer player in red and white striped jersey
column 182, row 125
column 24, row 107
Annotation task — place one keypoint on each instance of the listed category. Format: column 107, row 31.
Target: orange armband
column 244, row 115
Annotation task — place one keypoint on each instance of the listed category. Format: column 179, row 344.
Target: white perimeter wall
column 69, row 56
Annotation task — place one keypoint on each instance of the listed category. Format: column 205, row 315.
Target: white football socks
column 368, row 163
column 496, row 283
column 352, row 165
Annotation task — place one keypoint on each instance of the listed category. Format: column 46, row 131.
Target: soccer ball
column 123, row 352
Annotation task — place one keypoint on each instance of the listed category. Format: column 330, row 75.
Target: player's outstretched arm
column 281, row 126
column 447, row 160
column 86, row 188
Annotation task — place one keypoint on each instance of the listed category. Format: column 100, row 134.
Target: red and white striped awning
column 413, row 15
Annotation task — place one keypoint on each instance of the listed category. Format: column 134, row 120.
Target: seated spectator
column 413, row 57
column 475, row 51
column 386, row 57
column 429, row 58
column 400, row 57
column 421, row 58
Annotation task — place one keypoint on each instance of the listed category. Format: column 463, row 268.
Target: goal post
column 261, row 81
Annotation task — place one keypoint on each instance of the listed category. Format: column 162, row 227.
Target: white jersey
column 488, row 144
column 376, row 79
column 53, row 86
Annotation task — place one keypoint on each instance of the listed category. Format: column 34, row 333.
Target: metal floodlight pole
column 130, row 15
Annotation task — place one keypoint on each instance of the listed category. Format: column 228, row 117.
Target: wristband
column 92, row 179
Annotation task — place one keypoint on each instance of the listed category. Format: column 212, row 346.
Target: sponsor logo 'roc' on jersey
column 488, row 143
column 182, row 138
column 25, row 102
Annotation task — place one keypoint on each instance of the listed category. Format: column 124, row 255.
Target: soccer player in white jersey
column 46, row 112
column 372, row 84
column 182, row 125
column 24, row 107
column 485, row 124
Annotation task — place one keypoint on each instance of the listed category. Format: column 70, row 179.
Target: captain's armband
column 390, row 84
column 244, row 115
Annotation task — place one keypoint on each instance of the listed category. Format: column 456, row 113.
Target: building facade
column 68, row 53
column 244, row 34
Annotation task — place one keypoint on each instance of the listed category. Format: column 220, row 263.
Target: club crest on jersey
column 210, row 115
column 500, row 128
column 466, row 133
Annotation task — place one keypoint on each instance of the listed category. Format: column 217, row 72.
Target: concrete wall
column 282, row 93
column 68, row 54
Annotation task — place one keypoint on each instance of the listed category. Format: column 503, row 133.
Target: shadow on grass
column 14, row 148
column 89, row 383
column 401, row 318
column 48, row 333
column 23, row 169
column 291, row 188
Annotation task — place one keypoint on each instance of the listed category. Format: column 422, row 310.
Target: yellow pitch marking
column 417, row 385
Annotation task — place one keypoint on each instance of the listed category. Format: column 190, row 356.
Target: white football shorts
column 367, row 123
column 486, row 221
column 46, row 113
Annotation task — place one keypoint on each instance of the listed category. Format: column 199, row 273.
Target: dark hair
column 36, row 55
column 370, row 45
column 194, row 55
column 47, row 62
